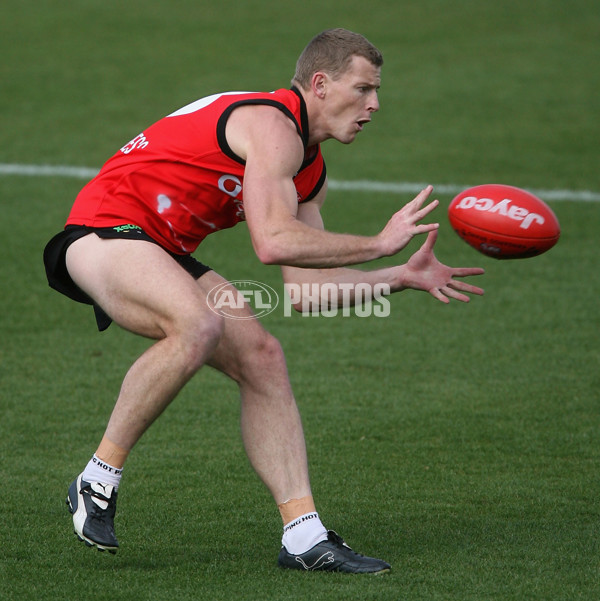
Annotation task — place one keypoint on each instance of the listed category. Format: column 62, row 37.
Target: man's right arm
column 273, row 152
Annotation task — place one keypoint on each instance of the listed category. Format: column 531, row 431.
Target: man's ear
column 318, row 84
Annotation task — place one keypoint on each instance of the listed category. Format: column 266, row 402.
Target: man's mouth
column 361, row 123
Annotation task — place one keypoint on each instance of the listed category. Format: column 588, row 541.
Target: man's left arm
column 422, row 272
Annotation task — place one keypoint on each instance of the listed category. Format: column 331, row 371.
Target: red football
column 504, row 222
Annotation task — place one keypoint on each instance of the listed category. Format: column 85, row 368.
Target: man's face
column 351, row 99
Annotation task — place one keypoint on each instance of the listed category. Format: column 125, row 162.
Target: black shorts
column 59, row 278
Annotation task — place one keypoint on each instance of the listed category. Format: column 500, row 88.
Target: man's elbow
column 269, row 252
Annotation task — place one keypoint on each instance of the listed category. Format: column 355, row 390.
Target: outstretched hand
column 404, row 224
column 424, row 272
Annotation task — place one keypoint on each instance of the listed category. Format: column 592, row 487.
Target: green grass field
column 461, row 443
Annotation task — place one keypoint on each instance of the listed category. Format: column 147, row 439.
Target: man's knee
column 263, row 358
column 200, row 334
column 268, row 352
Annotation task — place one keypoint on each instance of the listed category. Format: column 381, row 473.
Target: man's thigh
column 139, row 285
column 243, row 334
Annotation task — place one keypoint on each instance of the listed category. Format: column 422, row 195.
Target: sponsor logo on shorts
column 127, row 228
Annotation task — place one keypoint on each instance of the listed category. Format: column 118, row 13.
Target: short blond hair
column 331, row 51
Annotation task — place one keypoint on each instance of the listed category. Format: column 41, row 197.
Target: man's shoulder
column 223, row 100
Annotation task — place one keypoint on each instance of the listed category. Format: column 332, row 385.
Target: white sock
column 303, row 533
column 100, row 471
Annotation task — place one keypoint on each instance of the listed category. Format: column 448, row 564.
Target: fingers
column 464, row 287
column 422, row 196
column 454, row 290
column 422, row 213
column 437, row 293
column 445, row 293
column 431, row 238
column 416, row 204
column 404, row 224
column 461, row 272
column 452, row 293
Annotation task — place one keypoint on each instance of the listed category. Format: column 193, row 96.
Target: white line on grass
column 415, row 188
column 352, row 186
column 48, row 170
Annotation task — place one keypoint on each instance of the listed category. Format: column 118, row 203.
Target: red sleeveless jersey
column 179, row 180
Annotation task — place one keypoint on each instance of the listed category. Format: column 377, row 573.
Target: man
column 126, row 250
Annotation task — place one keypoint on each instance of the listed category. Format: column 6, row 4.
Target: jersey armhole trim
column 318, row 186
column 222, row 122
